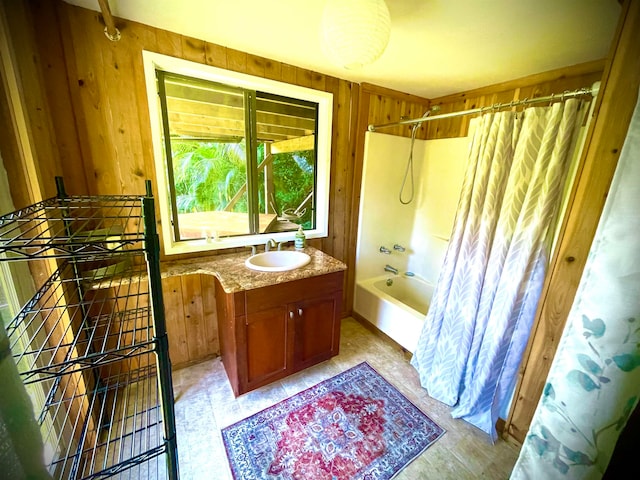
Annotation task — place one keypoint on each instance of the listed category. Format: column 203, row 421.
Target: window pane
column 287, row 160
column 206, row 123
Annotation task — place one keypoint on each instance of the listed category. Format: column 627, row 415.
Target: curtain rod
column 555, row 96
column 110, row 29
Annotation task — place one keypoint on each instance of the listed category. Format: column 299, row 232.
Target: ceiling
column 437, row 47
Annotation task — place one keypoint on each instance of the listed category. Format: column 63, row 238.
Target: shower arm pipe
column 496, row 106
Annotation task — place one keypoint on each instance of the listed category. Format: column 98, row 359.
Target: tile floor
column 205, row 404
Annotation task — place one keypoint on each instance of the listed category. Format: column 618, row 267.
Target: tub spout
column 389, row 268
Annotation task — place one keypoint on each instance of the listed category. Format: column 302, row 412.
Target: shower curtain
column 486, row 296
column 594, row 381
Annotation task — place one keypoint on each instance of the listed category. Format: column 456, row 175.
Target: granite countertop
column 234, row 276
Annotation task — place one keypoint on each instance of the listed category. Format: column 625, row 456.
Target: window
column 239, row 159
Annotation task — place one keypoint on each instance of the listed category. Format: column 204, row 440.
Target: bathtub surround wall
column 384, row 221
column 435, row 208
column 421, row 227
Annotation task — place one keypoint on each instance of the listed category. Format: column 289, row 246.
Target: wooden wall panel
column 59, row 98
column 194, row 317
column 174, row 317
column 105, row 81
column 29, row 148
column 192, row 323
column 384, row 106
column 30, row 155
column 109, row 119
column 209, row 314
column 555, row 81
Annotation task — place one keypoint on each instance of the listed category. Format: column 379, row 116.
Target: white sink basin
column 277, row 261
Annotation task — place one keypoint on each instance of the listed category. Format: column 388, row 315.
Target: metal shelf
column 93, row 338
column 72, row 226
column 122, row 427
column 106, row 324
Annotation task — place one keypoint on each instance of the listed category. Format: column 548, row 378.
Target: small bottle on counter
column 300, row 239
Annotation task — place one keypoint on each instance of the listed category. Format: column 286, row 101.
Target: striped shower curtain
column 485, row 300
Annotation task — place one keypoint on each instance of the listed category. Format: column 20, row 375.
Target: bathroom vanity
column 271, row 332
column 270, row 324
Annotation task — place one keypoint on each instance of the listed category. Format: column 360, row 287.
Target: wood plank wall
column 99, row 104
column 192, row 321
column 29, row 154
column 105, row 125
column 533, row 86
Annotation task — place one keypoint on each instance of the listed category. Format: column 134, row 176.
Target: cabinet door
column 268, row 345
column 317, row 329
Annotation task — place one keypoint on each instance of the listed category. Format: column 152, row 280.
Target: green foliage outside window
column 207, row 176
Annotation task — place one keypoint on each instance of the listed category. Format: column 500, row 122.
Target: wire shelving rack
column 92, row 340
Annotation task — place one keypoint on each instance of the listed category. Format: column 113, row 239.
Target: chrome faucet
column 269, row 243
column 389, row 268
column 399, row 248
column 385, row 250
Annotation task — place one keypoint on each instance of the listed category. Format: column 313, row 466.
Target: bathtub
column 397, row 309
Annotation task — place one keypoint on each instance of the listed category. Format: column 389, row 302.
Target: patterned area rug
column 355, row 425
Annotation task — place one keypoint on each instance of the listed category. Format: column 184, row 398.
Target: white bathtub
column 398, row 309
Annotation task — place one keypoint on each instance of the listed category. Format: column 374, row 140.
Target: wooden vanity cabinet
column 271, row 332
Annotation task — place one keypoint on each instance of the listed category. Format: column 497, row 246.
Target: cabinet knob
column 291, row 314
column 299, row 312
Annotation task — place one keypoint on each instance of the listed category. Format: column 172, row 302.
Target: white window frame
column 155, row 61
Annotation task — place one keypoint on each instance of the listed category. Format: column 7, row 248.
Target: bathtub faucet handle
column 385, row 250
column 399, row 248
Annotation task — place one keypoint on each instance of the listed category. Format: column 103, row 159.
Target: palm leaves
column 207, row 174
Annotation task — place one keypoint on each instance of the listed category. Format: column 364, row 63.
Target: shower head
column 405, row 121
column 434, row 108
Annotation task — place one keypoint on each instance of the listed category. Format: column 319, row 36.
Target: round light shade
column 355, row 32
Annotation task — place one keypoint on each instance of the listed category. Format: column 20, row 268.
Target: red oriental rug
column 355, row 425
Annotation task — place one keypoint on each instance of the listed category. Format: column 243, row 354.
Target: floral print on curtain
column 485, row 300
column 594, row 381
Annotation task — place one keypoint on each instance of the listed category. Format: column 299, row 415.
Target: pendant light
column 354, row 33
